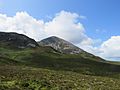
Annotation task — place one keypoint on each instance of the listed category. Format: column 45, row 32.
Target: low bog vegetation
column 44, row 68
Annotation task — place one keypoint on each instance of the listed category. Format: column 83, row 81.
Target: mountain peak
column 61, row 45
column 53, row 38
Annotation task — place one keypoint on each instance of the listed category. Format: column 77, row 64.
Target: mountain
column 60, row 45
column 16, row 40
column 66, row 47
column 44, row 68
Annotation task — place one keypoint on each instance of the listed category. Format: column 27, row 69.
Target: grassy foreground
column 44, row 68
column 29, row 78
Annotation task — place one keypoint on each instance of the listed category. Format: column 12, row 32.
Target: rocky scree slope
column 60, row 45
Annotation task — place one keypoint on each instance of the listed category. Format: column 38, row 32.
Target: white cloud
column 64, row 24
column 111, row 48
column 83, row 17
column 101, row 31
column 22, row 23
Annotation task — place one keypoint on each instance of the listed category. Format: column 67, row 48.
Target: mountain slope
column 44, row 68
column 60, row 45
column 16, row 40
column 66, row 47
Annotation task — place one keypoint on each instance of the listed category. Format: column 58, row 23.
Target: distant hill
column 17, row 40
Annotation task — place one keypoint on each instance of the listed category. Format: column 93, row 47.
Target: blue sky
column 102, row 16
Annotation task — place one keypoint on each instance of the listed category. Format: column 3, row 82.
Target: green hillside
column 44, row 68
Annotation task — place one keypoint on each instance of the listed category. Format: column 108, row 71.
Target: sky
column 93, row 25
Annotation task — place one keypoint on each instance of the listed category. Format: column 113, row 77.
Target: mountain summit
column 60, row 45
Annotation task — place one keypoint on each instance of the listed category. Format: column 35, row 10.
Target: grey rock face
column 60, row 45
column 17, row 40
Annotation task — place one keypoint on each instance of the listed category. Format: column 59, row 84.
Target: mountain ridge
column 20, row 41
column 17, row 40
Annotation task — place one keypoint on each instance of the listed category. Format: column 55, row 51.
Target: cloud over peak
column 65, row 25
